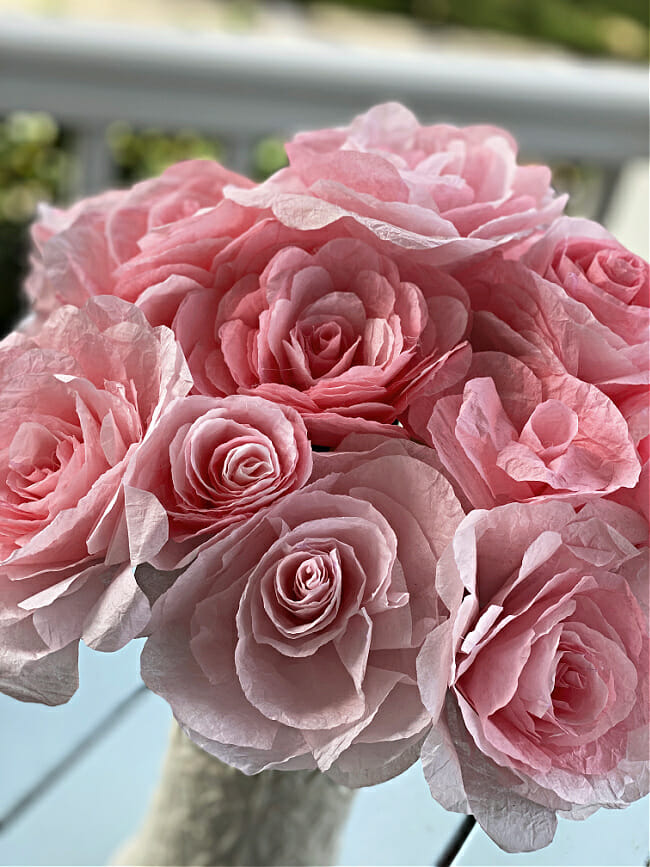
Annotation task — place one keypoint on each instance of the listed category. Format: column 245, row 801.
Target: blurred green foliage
column 141, row 154
column 269, row 155
column 618, row 28
column 34, row 167
column 34, row 164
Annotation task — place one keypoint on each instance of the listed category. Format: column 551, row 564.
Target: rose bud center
column 620, row 270
column 328, row 346
column 551, row 429
column 579, row 694
column 246, row 464
column 308, row 586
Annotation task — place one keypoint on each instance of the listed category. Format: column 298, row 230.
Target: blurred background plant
column 142, row 154
column 618, row 28
column 35, row 165
column 139, row 154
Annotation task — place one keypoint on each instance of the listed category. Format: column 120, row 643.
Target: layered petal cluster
column 613, row 283
column 552, row 329
column 341, row 326
column 510, row 435
column 209, row 464
column 556, row 329
column 548, row 710
column 77, row 251
column 454, row 191
column 291, row 642
column 75, row 402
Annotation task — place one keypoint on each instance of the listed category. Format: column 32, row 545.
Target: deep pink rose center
column 579, row 695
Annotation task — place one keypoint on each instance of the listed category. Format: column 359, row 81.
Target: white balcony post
column 94, row 170
column 239, row 153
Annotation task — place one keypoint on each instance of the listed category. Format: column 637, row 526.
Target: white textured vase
column 206, row 813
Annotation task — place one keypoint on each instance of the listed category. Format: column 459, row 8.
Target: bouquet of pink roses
column 362, row 451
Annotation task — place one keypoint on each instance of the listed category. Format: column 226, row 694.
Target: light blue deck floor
column 96, row 801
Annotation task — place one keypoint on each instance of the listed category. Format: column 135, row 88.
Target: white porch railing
column 244, row 87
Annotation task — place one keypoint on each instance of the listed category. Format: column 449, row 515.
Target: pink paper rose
column 452, row 191
column 511, row 435
column 291, row 642
column 75, row 402
column 335, row 323
column 548, row 709
column 210, row 463
column 518, row 312
column 76, row 251
column 538, row 321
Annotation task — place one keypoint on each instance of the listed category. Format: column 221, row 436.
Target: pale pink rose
column 210, row 463
column 595, row 269
column 291, row 642
column 76, row 251
column 509, row 435
column 451, row 191
column 75, row 402
column 341, row 326
column 518, row 312
column 536, row 320
column 548, row 709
